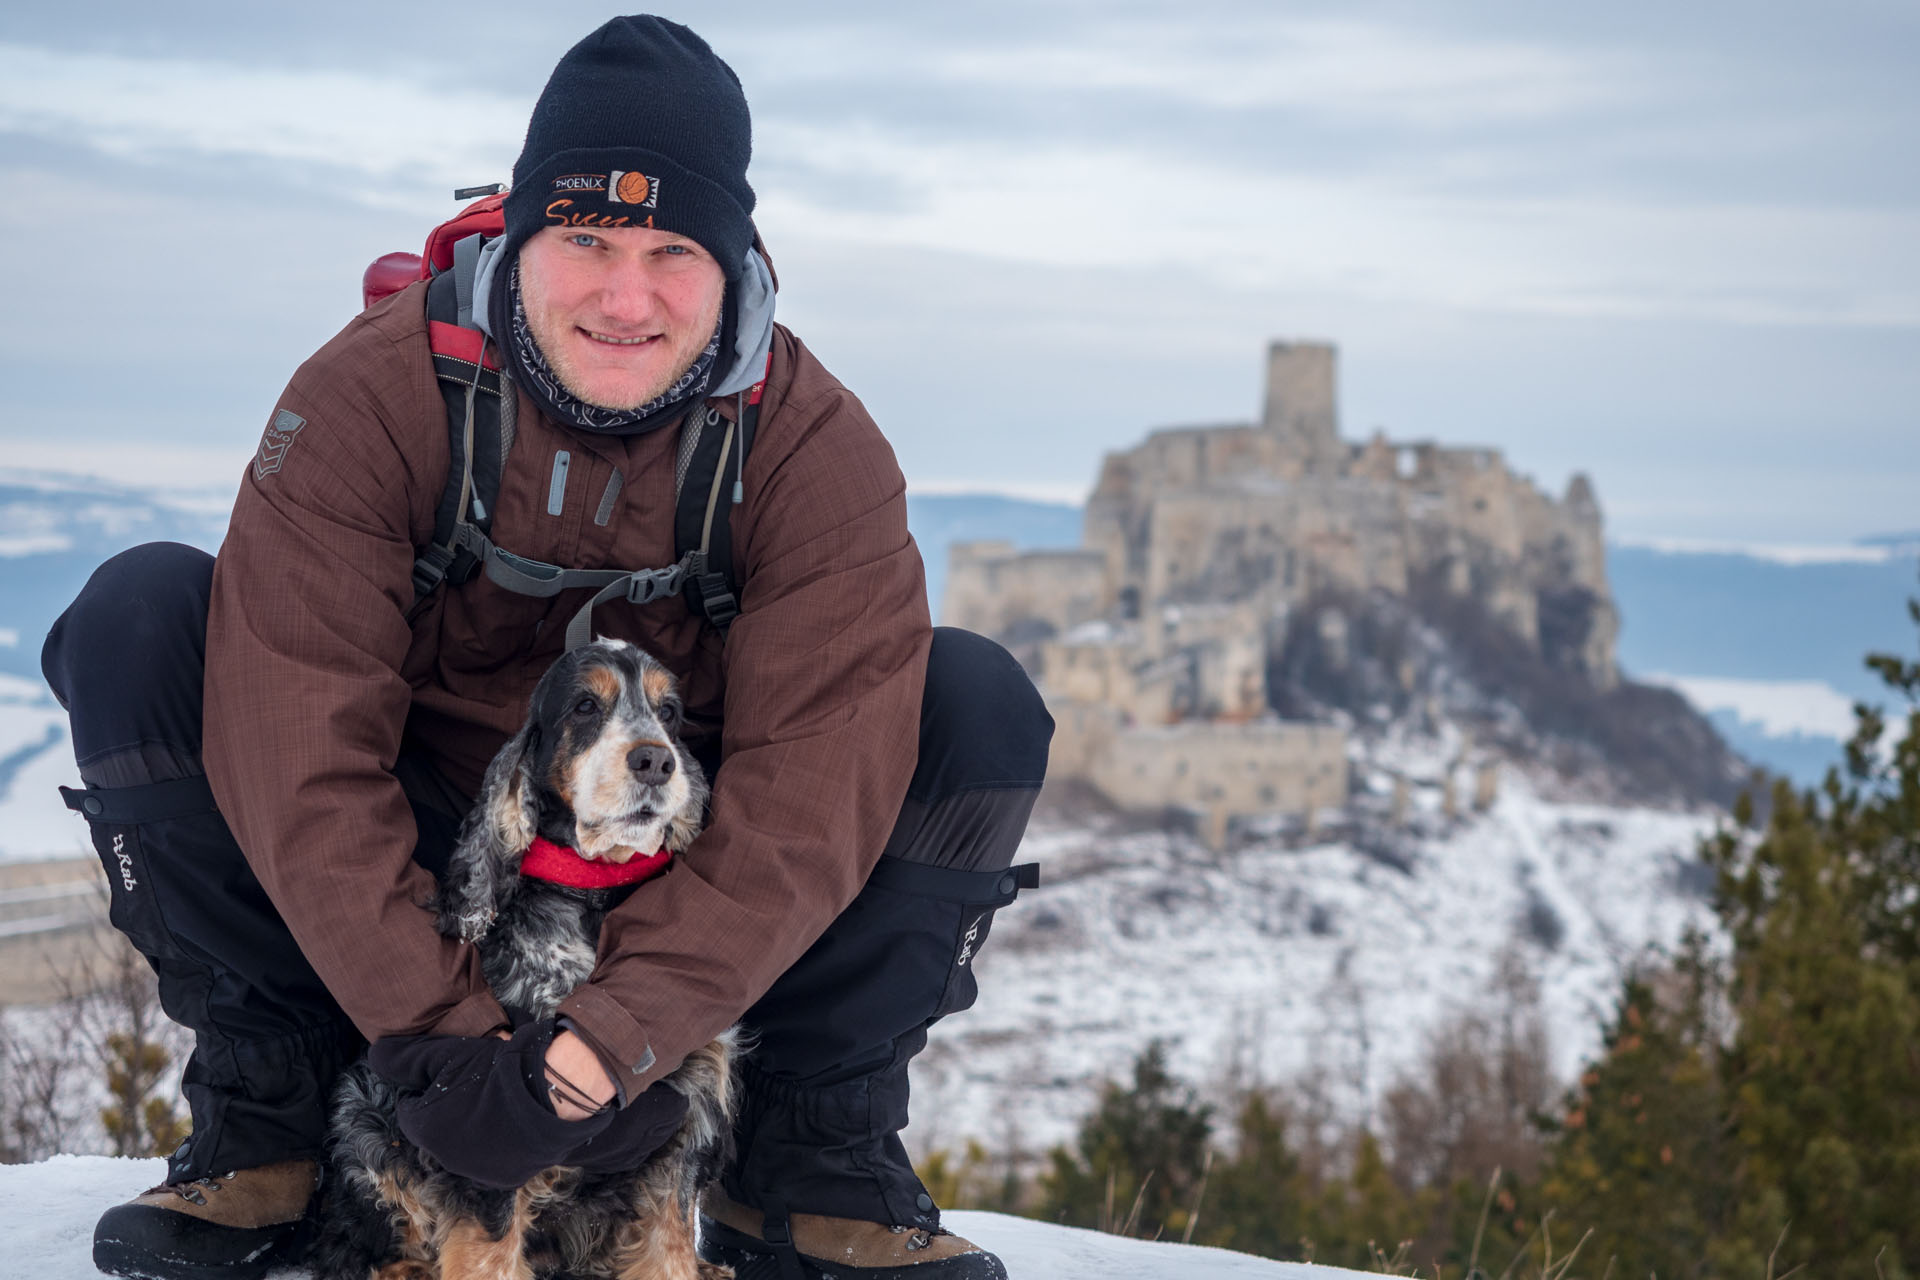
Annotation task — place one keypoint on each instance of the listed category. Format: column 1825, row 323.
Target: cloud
column 1054, row 201
column 1338, row 68
column 1374, row 238
column 388, row 138
column 1670, row 253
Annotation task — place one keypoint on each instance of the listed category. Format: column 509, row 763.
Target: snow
column 1775, row 552
column 1781, row 708
column 1282, row 960
column 47, row 1212
column 36, row 757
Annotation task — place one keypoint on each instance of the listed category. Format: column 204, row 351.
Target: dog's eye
column 586, row 707
column 669, row 714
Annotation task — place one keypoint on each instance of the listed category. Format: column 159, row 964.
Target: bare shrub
column 95, row 1071
column 1471, row 1104
column 42, row 1064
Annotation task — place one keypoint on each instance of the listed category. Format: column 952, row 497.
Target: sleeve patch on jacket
column 275, row 441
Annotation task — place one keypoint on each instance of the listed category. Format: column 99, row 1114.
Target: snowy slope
column 47, row 1213
column 1289, row 955
column 36, row 757
column 1335, row 953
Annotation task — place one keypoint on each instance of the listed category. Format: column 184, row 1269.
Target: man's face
column 619, row 312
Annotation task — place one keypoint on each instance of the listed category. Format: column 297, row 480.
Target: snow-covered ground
column 1286, row 957
column 1789, row 553
column 47, row 1212
column 1778, row 708
column 1282, row 957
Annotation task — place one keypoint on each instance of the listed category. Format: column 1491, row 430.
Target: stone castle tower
column 1199, row 541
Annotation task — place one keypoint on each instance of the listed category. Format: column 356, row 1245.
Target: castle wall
column 1232, row 770
column 997, row 591
column 1273, row 543
column 1197, row 537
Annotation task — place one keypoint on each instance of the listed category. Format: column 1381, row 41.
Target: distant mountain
column 939, row 520
column 1735, row 617
column 1907, row 541
column 1765, row 630
column 1754, row 618
column 56, row 529
column 1753, row 615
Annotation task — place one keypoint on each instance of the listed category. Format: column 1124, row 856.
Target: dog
column 597, row 768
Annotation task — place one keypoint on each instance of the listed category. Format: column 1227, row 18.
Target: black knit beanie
column 640, row 125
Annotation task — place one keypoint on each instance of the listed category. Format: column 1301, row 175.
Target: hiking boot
column 234, row 1226
column 731, row 1234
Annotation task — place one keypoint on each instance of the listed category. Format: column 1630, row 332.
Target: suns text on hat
column 562, row 213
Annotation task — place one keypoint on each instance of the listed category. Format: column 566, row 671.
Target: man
column 271, row 856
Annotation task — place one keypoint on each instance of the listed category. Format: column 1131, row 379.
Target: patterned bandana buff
column 538, row 377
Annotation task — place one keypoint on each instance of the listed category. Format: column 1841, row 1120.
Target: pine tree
column 1362, row 1220
column 1254, row 1199
column 1823, row 1077
column 1640, row 1155
column 1136, row 1166
column 124, row 1021
column 138, row 1123
column 1824, row 1074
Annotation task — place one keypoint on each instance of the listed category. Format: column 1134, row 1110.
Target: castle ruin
column 1151, row 641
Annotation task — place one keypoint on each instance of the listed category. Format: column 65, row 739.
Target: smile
column 612, row 341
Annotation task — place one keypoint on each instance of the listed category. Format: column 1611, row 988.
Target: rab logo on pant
column 126, row 863
column 966, row 943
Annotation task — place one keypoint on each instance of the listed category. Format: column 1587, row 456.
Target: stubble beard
column 549, row 333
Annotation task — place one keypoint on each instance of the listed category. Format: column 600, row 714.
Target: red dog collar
column 561, row 865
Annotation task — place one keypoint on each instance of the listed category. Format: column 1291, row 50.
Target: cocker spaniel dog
column 595, row 788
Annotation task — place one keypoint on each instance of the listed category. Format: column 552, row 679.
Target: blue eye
column 584, row 240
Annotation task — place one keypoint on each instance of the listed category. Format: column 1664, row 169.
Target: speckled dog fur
column 571, row 776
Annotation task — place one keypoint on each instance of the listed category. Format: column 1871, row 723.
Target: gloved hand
column 482, row 1108
column 638, row 1130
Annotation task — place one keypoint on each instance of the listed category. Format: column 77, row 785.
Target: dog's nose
column 652, row 763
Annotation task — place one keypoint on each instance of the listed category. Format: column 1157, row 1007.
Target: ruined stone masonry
column 1151, row 641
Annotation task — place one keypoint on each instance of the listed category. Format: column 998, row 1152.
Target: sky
column 1674, row 247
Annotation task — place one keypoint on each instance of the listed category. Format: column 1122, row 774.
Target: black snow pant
column 826, row 1086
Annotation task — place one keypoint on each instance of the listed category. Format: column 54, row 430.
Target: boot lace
column 920, row 1238
column 194, row 1191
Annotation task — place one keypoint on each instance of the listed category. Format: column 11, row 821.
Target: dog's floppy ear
column 485, row 867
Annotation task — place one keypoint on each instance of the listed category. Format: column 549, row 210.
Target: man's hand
column 575, row 1074
column 480, row 1104
column 483, row 1107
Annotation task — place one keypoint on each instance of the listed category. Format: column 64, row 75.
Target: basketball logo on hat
column 629, row 186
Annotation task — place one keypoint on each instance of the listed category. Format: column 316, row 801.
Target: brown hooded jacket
column 315, row 679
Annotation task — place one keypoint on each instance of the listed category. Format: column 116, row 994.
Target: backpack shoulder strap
column 477, row 425
column 709, row 480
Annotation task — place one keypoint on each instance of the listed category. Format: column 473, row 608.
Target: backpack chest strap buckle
column 644, row 586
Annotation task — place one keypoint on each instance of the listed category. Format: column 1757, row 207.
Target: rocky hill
column 1241, row 589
